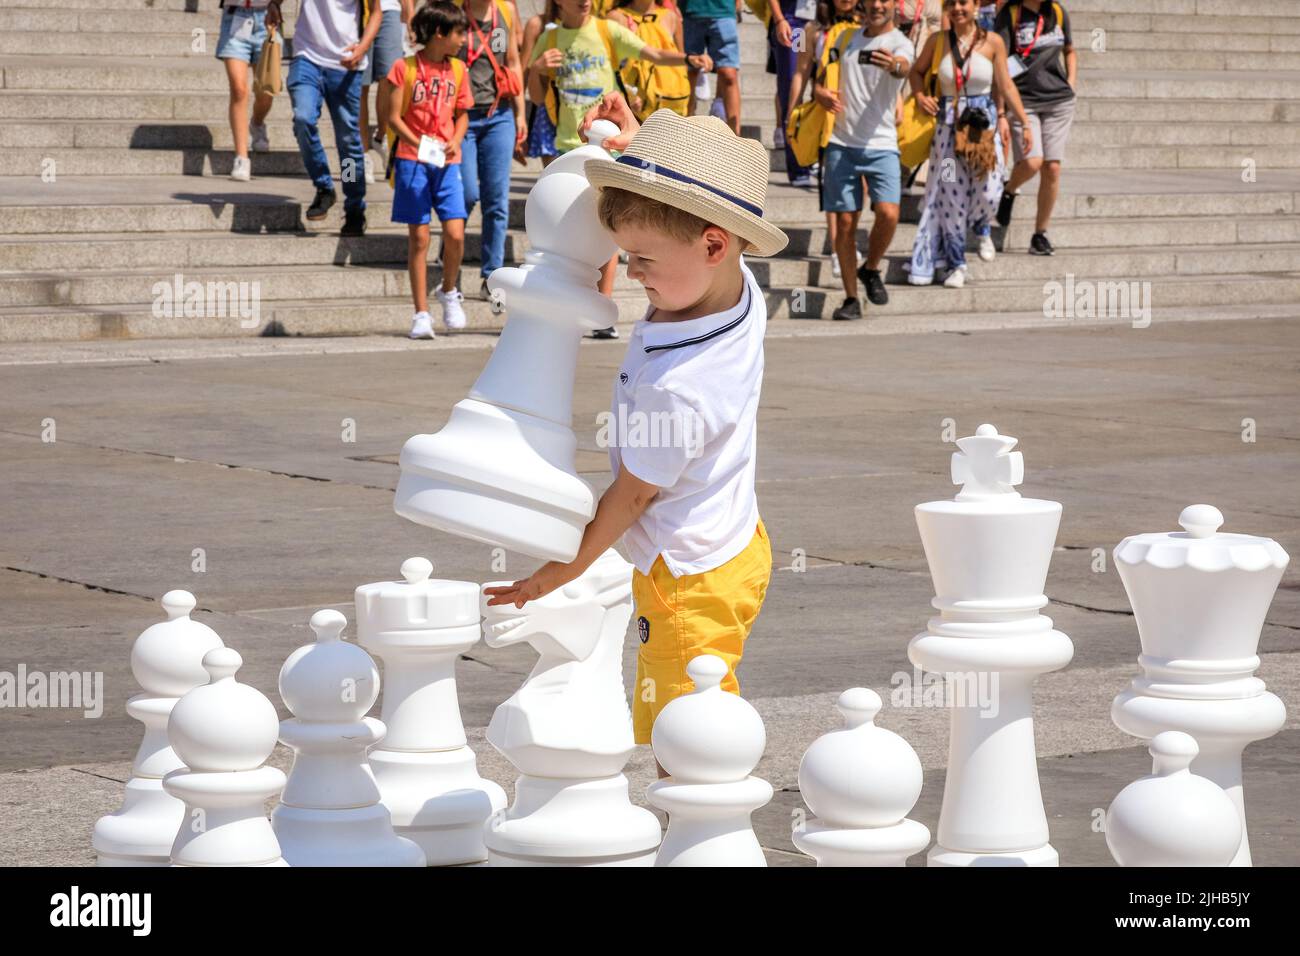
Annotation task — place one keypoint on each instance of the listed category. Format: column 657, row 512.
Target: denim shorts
column 720, row 36
column 387, row 48
column 420, row 189
column 843, row 168
column 231, row 47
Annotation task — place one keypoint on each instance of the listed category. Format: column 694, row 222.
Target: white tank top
column 979, row 82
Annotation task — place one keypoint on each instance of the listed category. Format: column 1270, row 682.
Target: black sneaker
column 849, row 310
column 1004, row 209
column 484, row 292
column 1040, row 245
column 354, row 223
column 320, row 206
column 876, row 293
column 609, row 333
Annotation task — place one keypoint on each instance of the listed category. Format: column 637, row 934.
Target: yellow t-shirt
column 586, row 73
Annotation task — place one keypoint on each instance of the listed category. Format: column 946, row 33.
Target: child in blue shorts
column 432, row 109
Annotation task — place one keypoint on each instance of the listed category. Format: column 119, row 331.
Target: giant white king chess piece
column 502, row 470
column 1199, row 598
column 988, row 552
column 568, row 729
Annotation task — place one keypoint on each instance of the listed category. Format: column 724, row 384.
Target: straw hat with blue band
column 696, row 163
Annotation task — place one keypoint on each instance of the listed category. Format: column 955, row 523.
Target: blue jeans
column 486, row 152
column 340, row 90
column 787, row 60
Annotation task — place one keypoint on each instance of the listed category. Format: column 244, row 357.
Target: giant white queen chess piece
column 988, row 552
column 502, row 470
column 1199, row 598
column 568, row 729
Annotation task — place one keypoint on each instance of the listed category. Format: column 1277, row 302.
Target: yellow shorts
column 680, row 618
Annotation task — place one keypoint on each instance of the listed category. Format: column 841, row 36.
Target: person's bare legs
column 237, row 76
column 261, row 107
column 1049, row 187
column 608, row 273
column 381, row 111
column 729, row 90
column 1022, row 172
column 453, row 252
column 882, row 233
column 417, row 255
column 846, row 248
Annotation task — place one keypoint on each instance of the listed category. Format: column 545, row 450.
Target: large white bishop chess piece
column 1199, row 598
column 428, row 775
column 1173, row 817
column 988, row 552
column 861, row 781
column 167, row 661
column 568, row 729
column 224, row 731
column 329, row 813
column 502, row 470
column 709, row 741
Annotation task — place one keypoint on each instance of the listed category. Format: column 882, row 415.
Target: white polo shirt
column 325, row 28
column 684, row 417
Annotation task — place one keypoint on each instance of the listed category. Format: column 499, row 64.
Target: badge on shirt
column 432, row 152
column 643, row 629
column 1016, row 65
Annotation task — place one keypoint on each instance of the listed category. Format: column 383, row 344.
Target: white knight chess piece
column 568, row 729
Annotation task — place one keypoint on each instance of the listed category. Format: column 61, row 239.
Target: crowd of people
column 990, row 87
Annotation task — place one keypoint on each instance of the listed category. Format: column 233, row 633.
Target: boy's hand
column 614, row 108
column 551, row 575
column 453, row 151
column 352, row 55
column 274, row 17
column 700, row 62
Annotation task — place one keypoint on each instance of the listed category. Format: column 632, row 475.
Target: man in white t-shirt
column 873, row 67
column 330, row 43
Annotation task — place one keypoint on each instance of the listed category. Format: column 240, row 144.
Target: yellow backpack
column 660, row 87
column 916, row 130
column 458, row 71
column 552, row 94
column 809, row 127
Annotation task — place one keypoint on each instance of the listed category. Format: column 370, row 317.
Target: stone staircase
column 1183, row 172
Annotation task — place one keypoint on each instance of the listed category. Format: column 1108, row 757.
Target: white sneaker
column 778, row 138
column 861, row 258
column 261, row 141
column 369, row 162
column 242, row 171
column 987, row 252
column 956, row 279
column 453, row 314
column 836, row 271
column 422, row 326
column 802, row 180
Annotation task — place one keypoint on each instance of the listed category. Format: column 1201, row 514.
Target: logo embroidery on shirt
column 643, row 629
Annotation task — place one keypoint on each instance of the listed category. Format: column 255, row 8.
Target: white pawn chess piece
column 1173, row 817
column 861, row 781
column 988, row 551
column 502, row 470
column 709, row 742
column 224, row 731
column 329, row 813
column 1199, row 598
column 568, row 729
column 427, row 774
column 167, row 661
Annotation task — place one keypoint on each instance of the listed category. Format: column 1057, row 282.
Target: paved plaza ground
column 238, row 449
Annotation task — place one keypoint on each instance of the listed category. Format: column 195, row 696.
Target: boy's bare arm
column 696, row 61
column 458, row 134
column 621, row 504
column 395, row 122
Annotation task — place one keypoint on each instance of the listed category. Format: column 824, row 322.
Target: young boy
column 433, row 107
column 685, row 200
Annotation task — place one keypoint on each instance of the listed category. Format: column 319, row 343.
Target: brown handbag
column 266, row 75
column 976, row 149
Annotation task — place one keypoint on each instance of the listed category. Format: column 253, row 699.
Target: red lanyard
column 1037, row 33
column 470, row 55
column 960, row 69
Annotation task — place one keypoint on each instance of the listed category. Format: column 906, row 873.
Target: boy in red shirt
column 429, row 126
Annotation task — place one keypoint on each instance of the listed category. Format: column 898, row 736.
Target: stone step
column 1181, row 111
column 1182, row 134
column 1121, row 60
column 1174, row 85
column 1277, row 9
column 391, row 315
column 1085, row 23
column 1236, row 41
column 140, row 6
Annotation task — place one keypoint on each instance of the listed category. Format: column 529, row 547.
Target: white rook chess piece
column 861, row 782
column 568, row 729
column 1199, row 598
column 329, row 813
column 428, row 775
column 502, row 470
column 1173, row 817
column 988, row 552
column 224, row 731
column 167, row 661
column 709, row 741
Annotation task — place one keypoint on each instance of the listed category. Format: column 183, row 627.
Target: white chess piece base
column 867, row 846
column 141, row 832
column 231, row 828
column 438, row 800
column 357, row 836
column 708, row 823
column 573, row 822
column 1039, row 856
